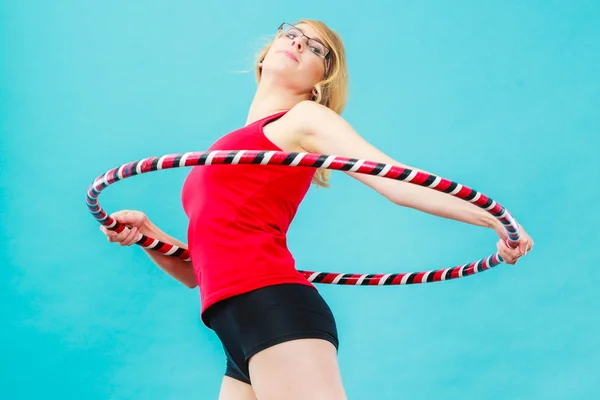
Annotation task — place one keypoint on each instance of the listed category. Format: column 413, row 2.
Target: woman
column 278, row 334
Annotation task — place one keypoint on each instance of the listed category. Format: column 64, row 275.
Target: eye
column 316, row 48
column 292, row 33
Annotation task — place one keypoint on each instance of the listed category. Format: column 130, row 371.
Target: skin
column 282, row 371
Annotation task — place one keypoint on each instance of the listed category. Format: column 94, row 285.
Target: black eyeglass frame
column 327, row 49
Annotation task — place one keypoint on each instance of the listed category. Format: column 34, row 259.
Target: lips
column 289, row 54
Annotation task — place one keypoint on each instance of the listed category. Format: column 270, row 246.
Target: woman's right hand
column 135, row 222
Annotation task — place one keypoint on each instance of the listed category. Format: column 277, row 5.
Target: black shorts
column 254, row 321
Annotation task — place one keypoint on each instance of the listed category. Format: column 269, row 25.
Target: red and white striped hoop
column 312, row 161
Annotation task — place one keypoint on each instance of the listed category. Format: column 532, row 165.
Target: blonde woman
column 279, row 336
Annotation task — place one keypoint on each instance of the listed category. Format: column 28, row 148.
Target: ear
column 315, row 94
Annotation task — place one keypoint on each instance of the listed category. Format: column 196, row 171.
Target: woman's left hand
column 510, row 255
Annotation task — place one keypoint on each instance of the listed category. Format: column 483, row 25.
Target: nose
column 298, row 43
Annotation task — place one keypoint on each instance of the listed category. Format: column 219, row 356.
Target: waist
column 240, row 274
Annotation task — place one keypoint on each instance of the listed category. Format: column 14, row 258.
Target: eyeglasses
column 314, row 45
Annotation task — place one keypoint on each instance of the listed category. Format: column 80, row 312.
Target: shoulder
column 310, row 118
column 305, row 124
column 308, row 111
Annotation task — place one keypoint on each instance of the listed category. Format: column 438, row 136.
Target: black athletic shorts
column 254, row 321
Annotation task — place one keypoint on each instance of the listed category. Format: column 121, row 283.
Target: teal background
column 503, row 96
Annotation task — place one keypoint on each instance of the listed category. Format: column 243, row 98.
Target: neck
column 271, row 98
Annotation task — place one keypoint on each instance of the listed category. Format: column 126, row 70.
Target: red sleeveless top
column 239, row 216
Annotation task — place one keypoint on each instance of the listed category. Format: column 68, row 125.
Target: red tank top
column 239, row 216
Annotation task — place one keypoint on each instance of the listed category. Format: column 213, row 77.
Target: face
column 299, row 54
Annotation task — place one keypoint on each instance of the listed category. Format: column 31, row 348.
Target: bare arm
column 180, row 270
column 321, row 130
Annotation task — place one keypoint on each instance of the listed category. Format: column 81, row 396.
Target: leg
column 284, row 336
column 232, row 389
column 297, row 370
column 236, row 384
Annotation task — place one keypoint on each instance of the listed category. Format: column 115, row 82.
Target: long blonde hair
column 332, row 91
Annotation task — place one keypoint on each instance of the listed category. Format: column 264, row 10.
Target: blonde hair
column 332, row 91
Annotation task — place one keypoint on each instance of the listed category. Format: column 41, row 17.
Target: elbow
column 189, row 281
column 188, row 277
column 400, row 193
column 400, row 201
column 191, row 284
column 410, row 196
column 403, row 199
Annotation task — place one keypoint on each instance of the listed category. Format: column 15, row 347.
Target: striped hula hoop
column 258, row 157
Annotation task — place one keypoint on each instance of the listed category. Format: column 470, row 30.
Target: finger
column 122, row 236
column 509, row 256
column 122, row 217
column 508, row 259
column 501, row 246
column 108, row 231
column 123, row 240
column 132, row 237
column 509, row 250
column 111, row 236
column 523, row 245
column 129, row 218
column 125, row 236
column 514, row 252
column 119, row 215
column 526, row 244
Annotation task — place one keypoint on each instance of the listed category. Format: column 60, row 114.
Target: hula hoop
column 290, row 159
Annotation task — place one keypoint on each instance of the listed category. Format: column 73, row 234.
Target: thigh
column 297, row 370
column 232, row 389
column 250, row 323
